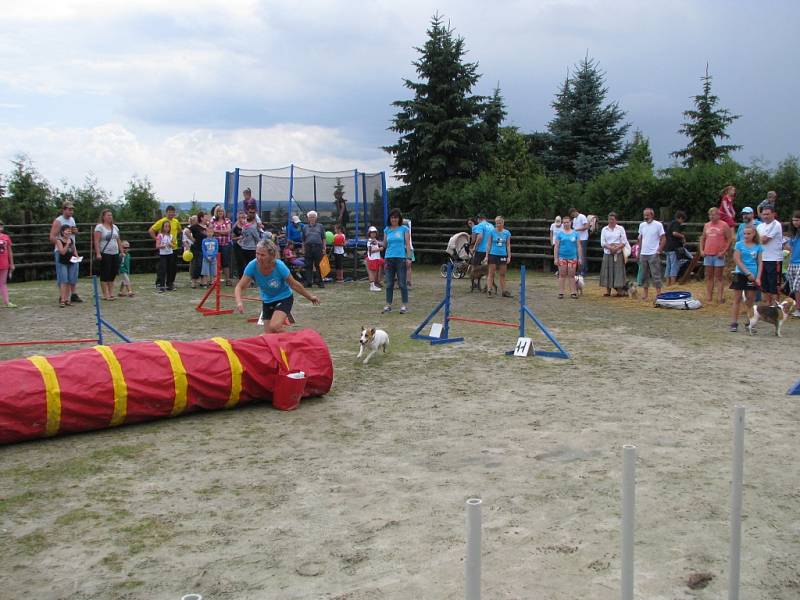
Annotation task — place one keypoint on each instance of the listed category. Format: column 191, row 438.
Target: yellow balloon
column 187, row 255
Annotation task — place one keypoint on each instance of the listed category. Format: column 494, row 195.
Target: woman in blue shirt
column 275, row 283
column 567, row 255
column 498, row 242
column 747, row 275
column 397, row 241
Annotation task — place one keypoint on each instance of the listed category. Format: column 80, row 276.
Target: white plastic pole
column 628, row 511
column 736, row 503
column 192, row 597
column 472, row 566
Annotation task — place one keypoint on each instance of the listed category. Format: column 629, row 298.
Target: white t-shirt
column 554, row 229
column 773, row 249
column 109, row 240
column 579, row 221
column 612, row 236
column 651, row 236
column 373, row 249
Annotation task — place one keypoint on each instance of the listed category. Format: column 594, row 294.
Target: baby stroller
column 457, row 255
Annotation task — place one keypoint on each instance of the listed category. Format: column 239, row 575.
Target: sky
column 184, row 90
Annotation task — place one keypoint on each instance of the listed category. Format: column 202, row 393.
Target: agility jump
column 524, row 311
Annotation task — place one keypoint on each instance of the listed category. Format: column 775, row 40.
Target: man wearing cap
column 174, row 230
column 294, row 234
column 66, row 218
column 747, row 219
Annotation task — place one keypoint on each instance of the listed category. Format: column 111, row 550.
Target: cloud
column 185, row 162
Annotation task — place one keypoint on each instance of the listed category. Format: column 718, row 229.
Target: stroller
column 458, row 255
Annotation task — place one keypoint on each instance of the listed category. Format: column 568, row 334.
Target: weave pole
column 736, row 503
column 628, row 513
column 472, row 565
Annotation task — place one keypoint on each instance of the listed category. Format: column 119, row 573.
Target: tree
column 30, row 199
column 703, row 126
column 639, row 154
column 586, row 137
column 88, row 199
column 140, row 202
column 444, row 128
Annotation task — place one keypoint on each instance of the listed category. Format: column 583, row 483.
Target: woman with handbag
column 106, row 249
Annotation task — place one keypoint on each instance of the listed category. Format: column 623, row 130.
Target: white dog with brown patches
column 374, row 339
column 776, row 315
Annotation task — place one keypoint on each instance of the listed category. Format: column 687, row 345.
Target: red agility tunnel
column 106, row 386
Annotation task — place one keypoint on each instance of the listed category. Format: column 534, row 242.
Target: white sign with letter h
column 524, row 347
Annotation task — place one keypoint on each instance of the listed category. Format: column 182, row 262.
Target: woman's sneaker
column 403, row 310
column 374, row 288
column 386, row 309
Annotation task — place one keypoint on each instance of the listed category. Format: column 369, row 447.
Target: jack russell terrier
column 374, row 339
column 776, row 315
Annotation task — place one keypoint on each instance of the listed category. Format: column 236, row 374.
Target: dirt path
column 359, row 495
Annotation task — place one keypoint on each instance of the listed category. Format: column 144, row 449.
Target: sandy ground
column 360, row 495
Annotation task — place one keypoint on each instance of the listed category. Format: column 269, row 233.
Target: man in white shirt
column 581, row 224
column 652, row 239
column 771, row 234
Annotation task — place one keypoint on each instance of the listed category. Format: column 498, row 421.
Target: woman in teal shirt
column 397, row 241
column 567, row 255
column 498, row 242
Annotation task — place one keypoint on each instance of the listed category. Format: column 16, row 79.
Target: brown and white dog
column 373, row 338
column 775, row 314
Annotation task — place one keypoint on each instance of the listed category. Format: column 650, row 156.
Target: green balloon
column 329, row 237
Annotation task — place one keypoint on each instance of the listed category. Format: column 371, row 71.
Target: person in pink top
column 727, row 211
column 6, row 265
column 714, row 243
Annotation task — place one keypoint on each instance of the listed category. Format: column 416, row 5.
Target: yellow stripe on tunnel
column 236, row 371
column 52, row 394
column 120, row 386
column 178, row 374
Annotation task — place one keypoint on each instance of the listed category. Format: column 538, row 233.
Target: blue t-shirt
column 210, row 248
column 485, row 228
column 498, row 239
column 794, row 244
column 749, row 257
column 395, row 241
column 273, row 286
column 740, row 229
column 568, row 245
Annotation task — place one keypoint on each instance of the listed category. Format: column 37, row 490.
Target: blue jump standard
column 101, row 322
column 524, row 312
column 795, row 389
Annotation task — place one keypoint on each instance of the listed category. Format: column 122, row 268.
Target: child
column 374, row 260
column 6, row 265
column 209, row 268
column 164, row 245
column 125, row 271
column 338, row 253
column 290, row 257
column 65, row 268
column 410, row 258
column 186, row 234
column 747, row 275
column 793, row 272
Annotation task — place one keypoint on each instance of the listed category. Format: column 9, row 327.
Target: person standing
column 314, row 248
column 612, row 272
column 714, row 244
column 748, row 218
column 793, row 272
column 771, row 234
column 747, row 275
column 338, row 253
column 65, row 266
column 222, row 232
column 652, row 240
column 410, row 258
column 499, row 244
column 6, row 266
column 125, row 288
column 374, row 259
column 580, row 224
column 480, row 235
column 106, row 250
column 275, row 283
column 771, row 200
column 675, row 241
column 727, row 209
column 397, row 240
column 171, row 264
column 66, row 218
column 342, row 214
column 567, row 256
column 166, row 250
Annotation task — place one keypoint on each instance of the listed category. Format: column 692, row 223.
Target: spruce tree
column 639, row 154
column 703, row 126
column 586, row 137
column 443, row 134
